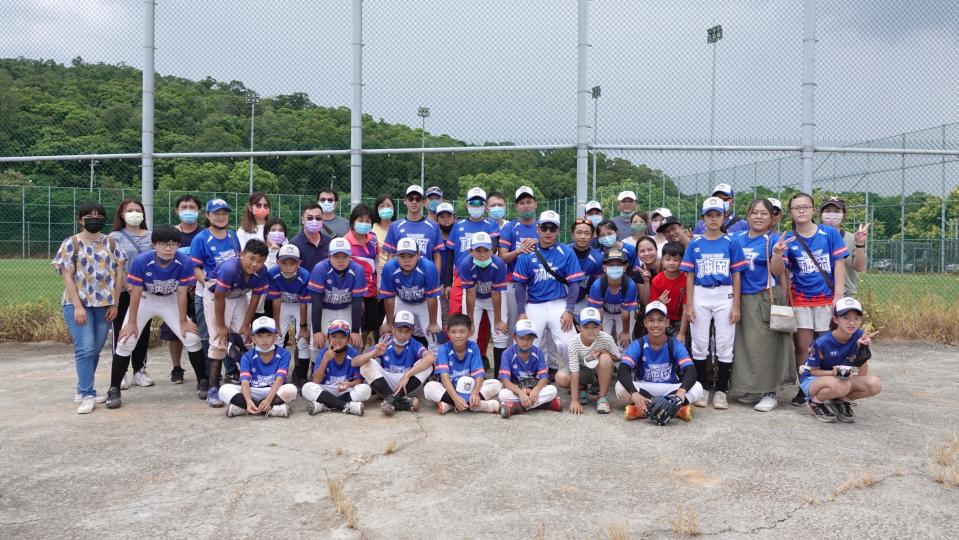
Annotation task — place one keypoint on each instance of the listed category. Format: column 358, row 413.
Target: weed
column 685, row 524
column 342, row 502
column 392, row 448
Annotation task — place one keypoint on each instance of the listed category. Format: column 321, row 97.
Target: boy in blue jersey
column 289, row 291
column 336, row 383
column 483, row 279
column 263, row 374
column 461, row 238
column 159, row 282
column 229, row 309
column 462, row 384
column 517, row 237
column 337, row 286
column 615, row 296
column 525, row 376
column 712, row 263
column 836, row 373
column 410, row 283
column 424, row 233
column 657, row 365
column 397, row 366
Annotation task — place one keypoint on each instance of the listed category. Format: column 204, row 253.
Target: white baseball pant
column 508, row 302
column 713, row 304
column 234, row 311
column 372, row 370
column 613, row 323
column 500, row 341
column 166, row 308
column 547, row 394
column 661, row 389
column 421, row 314
column 434, row 390
column 546, row 315
column 286, row 392
column 290, row 314
column 330, row 315
column 360, row 392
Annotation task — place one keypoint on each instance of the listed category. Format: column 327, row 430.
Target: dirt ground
column 166, row 465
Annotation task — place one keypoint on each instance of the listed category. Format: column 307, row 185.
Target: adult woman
column 638, row 225
column 364, row 250
column 764, row 357
column 645, row 269
column 606, row 234
column 255, row 215
column 383, row 216
column 131, row 235
column 833, row 213
column 91, row 265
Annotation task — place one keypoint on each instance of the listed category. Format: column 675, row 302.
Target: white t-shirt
column 243, row 236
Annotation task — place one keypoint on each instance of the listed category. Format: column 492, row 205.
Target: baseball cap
column 725, row 189
column 549, row 217
column 593, row 205
column 433, row 190
column 217, row 204
column 847, row 304
column 404, row 318
column 444, row 207
column 339, row 325
column 288, row 251
column 589, row 315
column 525, row 327
column 663, row 213
column 834, row 201
column 523, row 191
column 656, row 306
column 406, row 245
column 614, row 255
column 340, row 245
column 777, row 204
column 264, row 324
column 626, row 195
column 414, row 189
column 476, row 193
column 671, row 220
column 713, row 203
column 481, row 239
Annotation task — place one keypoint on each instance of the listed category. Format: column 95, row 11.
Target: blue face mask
column 433, row 204
column 595, row 219
column 726, row 206
column 189, row 216
column 399, row 343
column 476, row 212
column 497, row 212
column 385, row 213
column 607, row 241
column 615, row 272
column 482, row 264
column 362, row 228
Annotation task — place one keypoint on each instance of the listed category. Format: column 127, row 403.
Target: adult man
column 656, row 219
column 313, row 246
column 424, row 232
column 517, row 237
column 627, row 207
column 674, row 231
column 777, row 213
column 731, row 222
column 334, row 226
column 594, row 213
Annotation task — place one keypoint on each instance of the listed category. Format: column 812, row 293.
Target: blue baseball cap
column 713, row 203
column 525, row 327
column 589, row 315
column 340, row 326
column 217, row 204
column 481, row 239
column 725, row 189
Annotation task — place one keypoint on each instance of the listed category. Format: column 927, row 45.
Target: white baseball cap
column 264, row 323
column 663, row 213
column 525, row 327
column 549, row 217
column 777, row 204
column 414, row 189
column 444, row 207
column 847, row 304
column 522, row 191
column 407, row 245
column 590, row 315
column 288, row 251
column 713, row 203
column 626, row 195
column 725, row 189
column 481, row 239
column 340, row 245
column 404, row 318
column 593, row 205
column 657, row 306
column 476, row 193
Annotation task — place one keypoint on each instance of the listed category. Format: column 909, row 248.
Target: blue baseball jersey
column 540, row 285
column 713, row 261
column 337, row 288
column 591, row 263
column 228, row 278
column 293, row 290
column 208, row 251
column 414, row 287
column 827, row 352
column 262, row 374
column 511, row 236
column 394, row 361
column 655, row 366
column 425, row 232
column 808, row 286
column 337, row 372
column 740, row 226
column 484, row 280
column 461, row 237
column 755, row 277
column 146, row 272
column 513, row 368
column 614, row 303
column 471, row 365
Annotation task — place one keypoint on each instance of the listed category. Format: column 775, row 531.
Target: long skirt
column 764, row 359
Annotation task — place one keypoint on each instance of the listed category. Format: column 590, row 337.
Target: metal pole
column 356, row 110
column 595, row 116
column 146, row 148
column 582, row 94
column 48, row 221
column 942, row 210
column 808, row 93
column 423, row 154
column 712, row 117
column 902, row 207
column 23, row 219
column 253, row 100
column 93, row 164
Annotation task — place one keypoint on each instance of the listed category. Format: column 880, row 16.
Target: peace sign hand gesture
column 862, row 233
column 780, row 246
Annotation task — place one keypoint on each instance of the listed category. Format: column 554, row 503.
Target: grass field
column 27, row 281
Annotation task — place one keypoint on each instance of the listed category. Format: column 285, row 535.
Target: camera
column 844, row 372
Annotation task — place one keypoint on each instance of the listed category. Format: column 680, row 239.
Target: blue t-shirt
column 650, row 365
column 808, row 286
column 826, row 353
column 401, row 362
column 412, row 288
column 461, row 237
column 208, row 251
column 425, row 232
column 540, row 285
column 511, row 236
column 740, row 226
column 614, row 303
column 513, row 368
column 471, row 365
column 146, row 272
column 591, row 263
column 289, row 291
column 336, row 373
column 753, row 280
column 261, row 374
column 337, row 288
column 228, row 278
column 713, row 261
column 484, row 280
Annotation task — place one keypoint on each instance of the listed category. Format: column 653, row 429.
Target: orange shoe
column 685, row 413
column 556, row 405
column 633, row 413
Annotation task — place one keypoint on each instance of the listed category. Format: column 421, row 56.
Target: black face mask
column 446, row 228
column 94, row 224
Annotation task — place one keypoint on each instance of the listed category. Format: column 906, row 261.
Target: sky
column 503, row 70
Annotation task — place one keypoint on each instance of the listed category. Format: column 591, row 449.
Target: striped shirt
column 578, row 351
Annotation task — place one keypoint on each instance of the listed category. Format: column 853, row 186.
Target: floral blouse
column 96, row 271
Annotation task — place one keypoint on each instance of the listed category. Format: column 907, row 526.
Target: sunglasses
column 327, row 200
column 549, row 228
column 582, row 221
column 261, row 205
column 414, row 198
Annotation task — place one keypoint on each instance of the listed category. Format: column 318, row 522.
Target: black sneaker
column 799, row 400
column 404, row 403
column 176, row 375
column 113, row 398
column 202, row 388
column 821, row 412
column 388, row 406
column 232, row 377
column 842, row 410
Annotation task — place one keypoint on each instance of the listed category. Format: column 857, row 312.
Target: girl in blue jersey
column 483, row 280
column 336, row 382
column 606, row 238
column 263, row 374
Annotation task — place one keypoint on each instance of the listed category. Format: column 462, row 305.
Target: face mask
column 497, row 212
column 527, row 214
column 638, row 227
column 277, row 237
column 94, row 224
column 482, row 264
column 595, row 219
column 385, row 213
column 833, row 219
column 313, row 227
column 327, row 206
column 133, row 219
column 627, row 215
column 261, row 213
column 654, row 226
column 433, row 204
column 189, row 216
column 362, row 228
column 615, row 272
column 476, row 212
column 265, row 349
column 522, row 350
column 446, row 228
column 726, row 206
column 608, row 240
column 400, row 343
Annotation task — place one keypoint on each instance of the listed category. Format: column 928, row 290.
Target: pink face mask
column 833, row 219
column 277, row 237
column 261, row 213
column 313, row 226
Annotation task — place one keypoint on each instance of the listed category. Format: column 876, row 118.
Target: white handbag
column 781, row 318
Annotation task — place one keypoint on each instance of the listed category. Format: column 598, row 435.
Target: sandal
column 583, row 396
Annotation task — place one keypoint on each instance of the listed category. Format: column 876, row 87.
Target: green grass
column 27, row 281
column 896, row 288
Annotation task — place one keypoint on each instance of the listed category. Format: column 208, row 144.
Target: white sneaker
column 767, row 403
column 489, row 405
column 99, row 399
column 315, row 407
column 719, row 401
column 142, row 378
column 749, row 399
column 87, row 405
column 234, row 410
column 354, row 407
column 125, row 383
column 279, row 411
column 703, row 401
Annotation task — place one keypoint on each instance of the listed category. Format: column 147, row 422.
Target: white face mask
column 133, row 219
column 327, row 206
column 833, row 219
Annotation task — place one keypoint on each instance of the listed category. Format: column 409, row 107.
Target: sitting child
column 263, row 373
column 592, row 354
column 525, row 376
column 336, row 384
column 459, row 368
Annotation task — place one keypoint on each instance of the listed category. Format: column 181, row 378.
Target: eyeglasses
column 327, row 200
column 261, row 205
column 802, row 208
column 168, row 245
column 723, row 197
column 414, row 198
column 549, row 228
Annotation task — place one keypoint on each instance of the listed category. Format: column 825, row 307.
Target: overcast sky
column 502, row 70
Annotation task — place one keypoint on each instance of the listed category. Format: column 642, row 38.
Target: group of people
column 378, row 304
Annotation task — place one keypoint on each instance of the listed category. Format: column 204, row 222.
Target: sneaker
column 767, row 403
column 279, row 411
column 749, row 399
column 719, row 400
column 99, row 399
column 632, row 412
column 125, row 383
column 315, row 407
column 842, row 410
column 703, row 401
column 443, row 407
column 556, row 405
column 405, row 403
column 231, row 377
column 821, row 412
column 142, row 378
column 213, row 397
column 388, row 406
column 202, row 388
column 234, row 410
column 685, row 413
column 176, row 375
column 583, row 397
column 509, row 408
column 414, row 404
column 602, row 406
column 799, row 400
column 87, row 405
column 489, row 405
column 354, row 407
column 113, row 398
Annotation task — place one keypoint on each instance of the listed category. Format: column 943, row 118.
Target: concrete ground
column 167, row 465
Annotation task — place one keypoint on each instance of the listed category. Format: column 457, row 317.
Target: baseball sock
column 497, row 359
column 412, row 384
column 722, row 378
column 198, row 361
column 332, row 401
column 381, row 387
column 701, row 372
column 118, row 369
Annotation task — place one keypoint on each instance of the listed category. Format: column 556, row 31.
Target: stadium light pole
column 252, row 99
column 597, row 91
column 423, row 113
column 713, row 35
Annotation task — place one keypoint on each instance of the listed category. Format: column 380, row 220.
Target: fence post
column 808, row 93
column 48, row 221
column 146, row 126
column 942, row 210
column 356, row 107
column 902, row 206
column 23, row 219
column 582, row 95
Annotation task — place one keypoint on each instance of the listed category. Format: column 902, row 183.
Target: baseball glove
column 662, row 409
column 863, row 354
